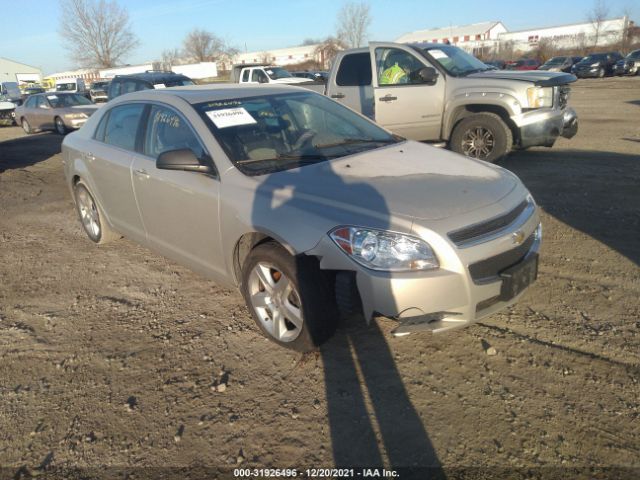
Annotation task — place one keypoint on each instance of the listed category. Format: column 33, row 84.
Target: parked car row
column 596, row 65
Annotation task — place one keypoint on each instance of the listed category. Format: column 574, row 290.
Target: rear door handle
column 338, row 95
column 388, row 98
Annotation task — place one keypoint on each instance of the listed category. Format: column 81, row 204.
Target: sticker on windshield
column 52, row 97
column 159, row 85
column 270, row 72
column 230, row 117
column 438, row 54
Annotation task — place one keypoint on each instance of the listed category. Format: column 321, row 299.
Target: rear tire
column 289, row 297
column 484, row 136
column 91, row 216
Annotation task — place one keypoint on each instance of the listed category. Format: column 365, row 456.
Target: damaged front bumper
column 542, row 127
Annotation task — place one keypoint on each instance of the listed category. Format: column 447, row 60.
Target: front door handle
column 89, row 156
column 338, row 95
column 388, row 98
column 141, row 172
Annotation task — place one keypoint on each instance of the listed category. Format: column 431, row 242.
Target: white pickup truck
column 439, row 93
column 261, row 73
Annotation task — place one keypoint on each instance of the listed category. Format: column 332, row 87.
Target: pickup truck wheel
column 288, row 297
column 484, row 136
column 91, row 216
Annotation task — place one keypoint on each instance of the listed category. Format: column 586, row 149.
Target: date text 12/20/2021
column 314, row 473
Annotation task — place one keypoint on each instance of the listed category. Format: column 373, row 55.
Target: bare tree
column 597, row 17
column 546, row 49
column 97, row 33
column 265, row 57
column 353, row 23
column 327, row 50
column 311, row 41
column 170, row 58
column 203, row 46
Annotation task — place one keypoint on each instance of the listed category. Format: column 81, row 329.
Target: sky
column 30, row 29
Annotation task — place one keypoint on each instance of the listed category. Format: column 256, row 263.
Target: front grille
column 489, row 269
column 563, row 95
column 483, row 229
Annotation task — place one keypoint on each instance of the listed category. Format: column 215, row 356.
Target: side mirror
column 428, row 75
column 183, row 159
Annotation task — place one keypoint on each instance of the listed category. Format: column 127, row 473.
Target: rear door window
column 354, row 70
column 122, row 126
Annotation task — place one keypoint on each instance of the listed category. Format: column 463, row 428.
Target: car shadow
column 26, row 151
column 594, row 192
column 372, row 420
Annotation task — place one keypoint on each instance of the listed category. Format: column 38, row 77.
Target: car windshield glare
column 65, row 87
column 63, row 101
column 455, row 61
column 266, row 134
column 556, row 60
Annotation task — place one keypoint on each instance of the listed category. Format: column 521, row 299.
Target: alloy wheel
column 88, row 213
column 478, row 142
column 276, row 302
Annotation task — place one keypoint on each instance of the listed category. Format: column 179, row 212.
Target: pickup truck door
column 405, row 104
column 350, row 84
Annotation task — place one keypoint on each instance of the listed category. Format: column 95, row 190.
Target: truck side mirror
column 428, row 75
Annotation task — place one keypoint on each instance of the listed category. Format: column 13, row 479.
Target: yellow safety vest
column 392, row 75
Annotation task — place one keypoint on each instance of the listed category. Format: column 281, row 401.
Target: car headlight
column 539, row 97
column 384, row 250
column 76, row 115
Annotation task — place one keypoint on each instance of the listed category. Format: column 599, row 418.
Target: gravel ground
column 112, row 356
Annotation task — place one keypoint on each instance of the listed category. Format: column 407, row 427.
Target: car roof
column 149, row 76
column 194, row 94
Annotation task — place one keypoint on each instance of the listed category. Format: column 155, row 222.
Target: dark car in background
column 98, row 91
column 312, row 75
column 498, row 64
column 148, row 80
column 597, row 65
column 560, row 64
column 629, row 65
column 523, row 64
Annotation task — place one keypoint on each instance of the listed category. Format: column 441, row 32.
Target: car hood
column 288, row 81
column 541, row 78
column 410, row 180
column 7, row 105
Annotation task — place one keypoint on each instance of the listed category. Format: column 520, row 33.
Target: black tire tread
column 491, row 120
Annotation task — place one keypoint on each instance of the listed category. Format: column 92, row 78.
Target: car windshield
column 556, row 61
column 456, row 61
column 178, row 82
column 592, row 58
column 69, row 100
column 99, row 85
column 276, row 73
column 270, row 133
column 634, row 54
column 65, row 87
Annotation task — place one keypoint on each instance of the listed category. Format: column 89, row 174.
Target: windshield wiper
column 475, row 70
column 352, row 141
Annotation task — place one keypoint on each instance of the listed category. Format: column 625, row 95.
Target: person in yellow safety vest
column 396, row 73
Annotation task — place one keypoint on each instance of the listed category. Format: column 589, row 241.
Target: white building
column 476, row 38
column 125, row 70
column 11, row 71
column 577, row 35
column 281, row 56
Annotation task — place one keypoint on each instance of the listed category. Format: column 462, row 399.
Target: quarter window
column 122, row 126
column 167, row 131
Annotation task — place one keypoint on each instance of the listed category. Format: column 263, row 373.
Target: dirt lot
column 108, row 354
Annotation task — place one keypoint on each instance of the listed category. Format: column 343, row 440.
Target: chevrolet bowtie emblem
column 518, row 237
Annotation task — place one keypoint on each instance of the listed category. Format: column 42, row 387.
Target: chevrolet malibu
column 311, row 210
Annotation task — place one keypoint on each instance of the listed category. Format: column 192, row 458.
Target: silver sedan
column 313, row 211
column 54, row 111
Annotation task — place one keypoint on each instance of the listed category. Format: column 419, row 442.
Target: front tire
column 288, row 297
column 26, row 126
column 484, row 136
column 91, row 216
column 601, row 73
column 61, row 128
